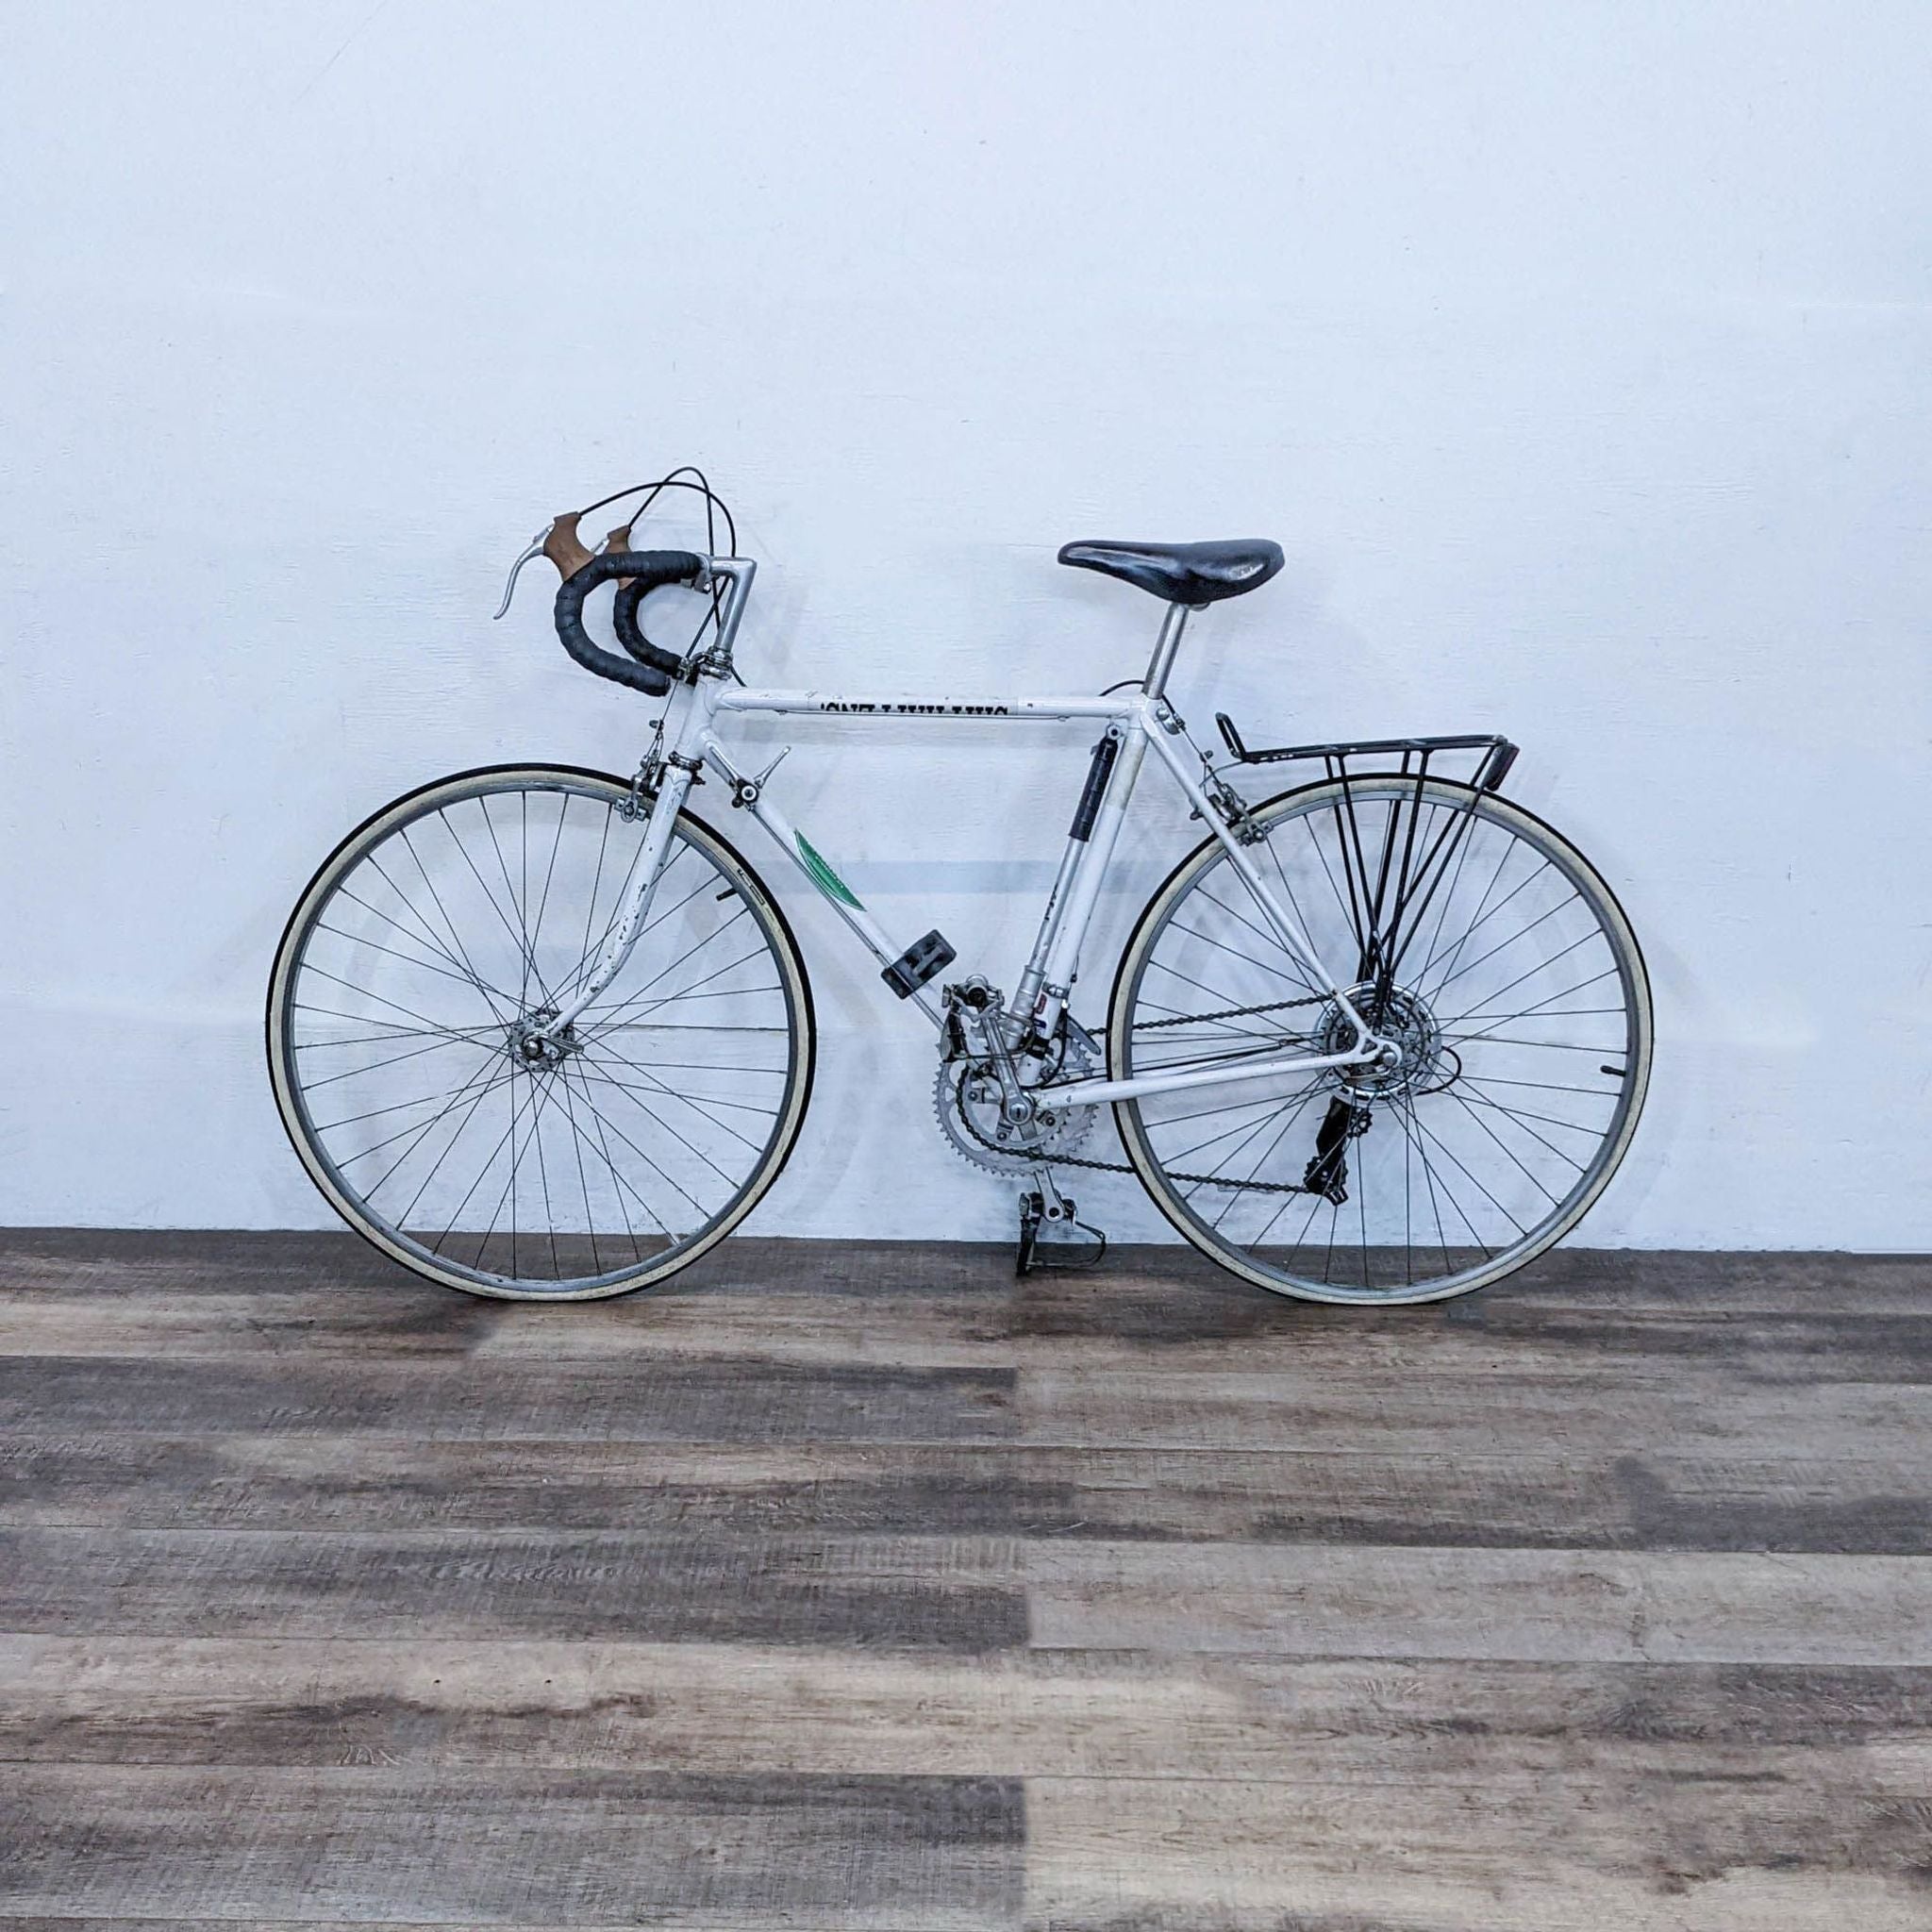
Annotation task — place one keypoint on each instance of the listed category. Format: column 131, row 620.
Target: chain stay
column 1197, row 1180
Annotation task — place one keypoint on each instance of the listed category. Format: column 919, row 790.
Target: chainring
column 966, row 1101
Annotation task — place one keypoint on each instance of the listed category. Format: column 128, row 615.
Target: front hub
column 537, row 1045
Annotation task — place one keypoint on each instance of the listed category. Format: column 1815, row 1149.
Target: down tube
column 826, row 883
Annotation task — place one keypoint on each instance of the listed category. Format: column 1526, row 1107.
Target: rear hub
column 1423, row 1063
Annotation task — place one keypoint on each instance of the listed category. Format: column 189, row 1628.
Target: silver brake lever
column 535, row 549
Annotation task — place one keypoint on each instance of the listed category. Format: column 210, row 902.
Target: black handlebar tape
column 624, row 612
column 652, row 675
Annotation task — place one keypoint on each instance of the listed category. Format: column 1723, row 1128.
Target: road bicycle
column 539, row 1031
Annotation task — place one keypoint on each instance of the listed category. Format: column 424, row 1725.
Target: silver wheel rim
column 1490, row 1105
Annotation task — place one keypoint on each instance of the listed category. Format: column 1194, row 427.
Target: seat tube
column 1089, row 868
column 1044, row 986
column 1025, row 1009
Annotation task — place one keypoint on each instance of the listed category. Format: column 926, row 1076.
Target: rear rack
column 1390, row 889
column 1498, row 753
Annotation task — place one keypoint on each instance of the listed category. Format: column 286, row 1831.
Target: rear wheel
column 1475, row 937
column 449, row 1125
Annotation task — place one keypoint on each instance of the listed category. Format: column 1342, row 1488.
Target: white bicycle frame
column 1141, row 719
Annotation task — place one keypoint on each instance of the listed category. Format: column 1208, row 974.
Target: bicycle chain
column 1198, row 1179
column 1317, row 999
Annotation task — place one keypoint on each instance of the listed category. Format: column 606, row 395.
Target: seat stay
column 1154, row 720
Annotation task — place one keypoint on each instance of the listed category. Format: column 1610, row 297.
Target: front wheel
column 441, row 1117
column 1462, row 928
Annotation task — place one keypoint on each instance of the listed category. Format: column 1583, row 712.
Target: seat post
column 1155, row 683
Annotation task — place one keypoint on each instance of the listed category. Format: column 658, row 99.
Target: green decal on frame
column 822, row 877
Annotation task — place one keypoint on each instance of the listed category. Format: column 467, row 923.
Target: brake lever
column 560, row 543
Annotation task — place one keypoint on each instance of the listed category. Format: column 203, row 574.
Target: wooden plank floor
column 866, row 1587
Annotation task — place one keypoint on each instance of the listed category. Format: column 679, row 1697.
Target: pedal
column 922, row 960
column 1051, row 1212
column 1032, row 1212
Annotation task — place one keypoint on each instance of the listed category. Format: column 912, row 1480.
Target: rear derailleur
column 1327, row 1174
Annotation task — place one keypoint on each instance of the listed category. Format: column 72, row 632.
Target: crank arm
column 993, row 1036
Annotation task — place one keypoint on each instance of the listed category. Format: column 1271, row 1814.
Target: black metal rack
column 1498, row 753
column 1389, row 890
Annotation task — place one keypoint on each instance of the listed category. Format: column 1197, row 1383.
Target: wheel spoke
column 498, row 1000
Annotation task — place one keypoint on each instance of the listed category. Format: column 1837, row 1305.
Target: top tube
column 872, row 705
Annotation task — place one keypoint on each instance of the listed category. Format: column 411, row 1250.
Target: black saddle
column 1190, row 573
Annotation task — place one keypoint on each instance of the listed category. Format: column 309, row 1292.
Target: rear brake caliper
column 1233, row 808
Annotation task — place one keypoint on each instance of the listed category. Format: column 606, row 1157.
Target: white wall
column 1577, row 355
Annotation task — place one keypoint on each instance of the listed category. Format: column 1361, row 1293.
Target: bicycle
column 537, row 1031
